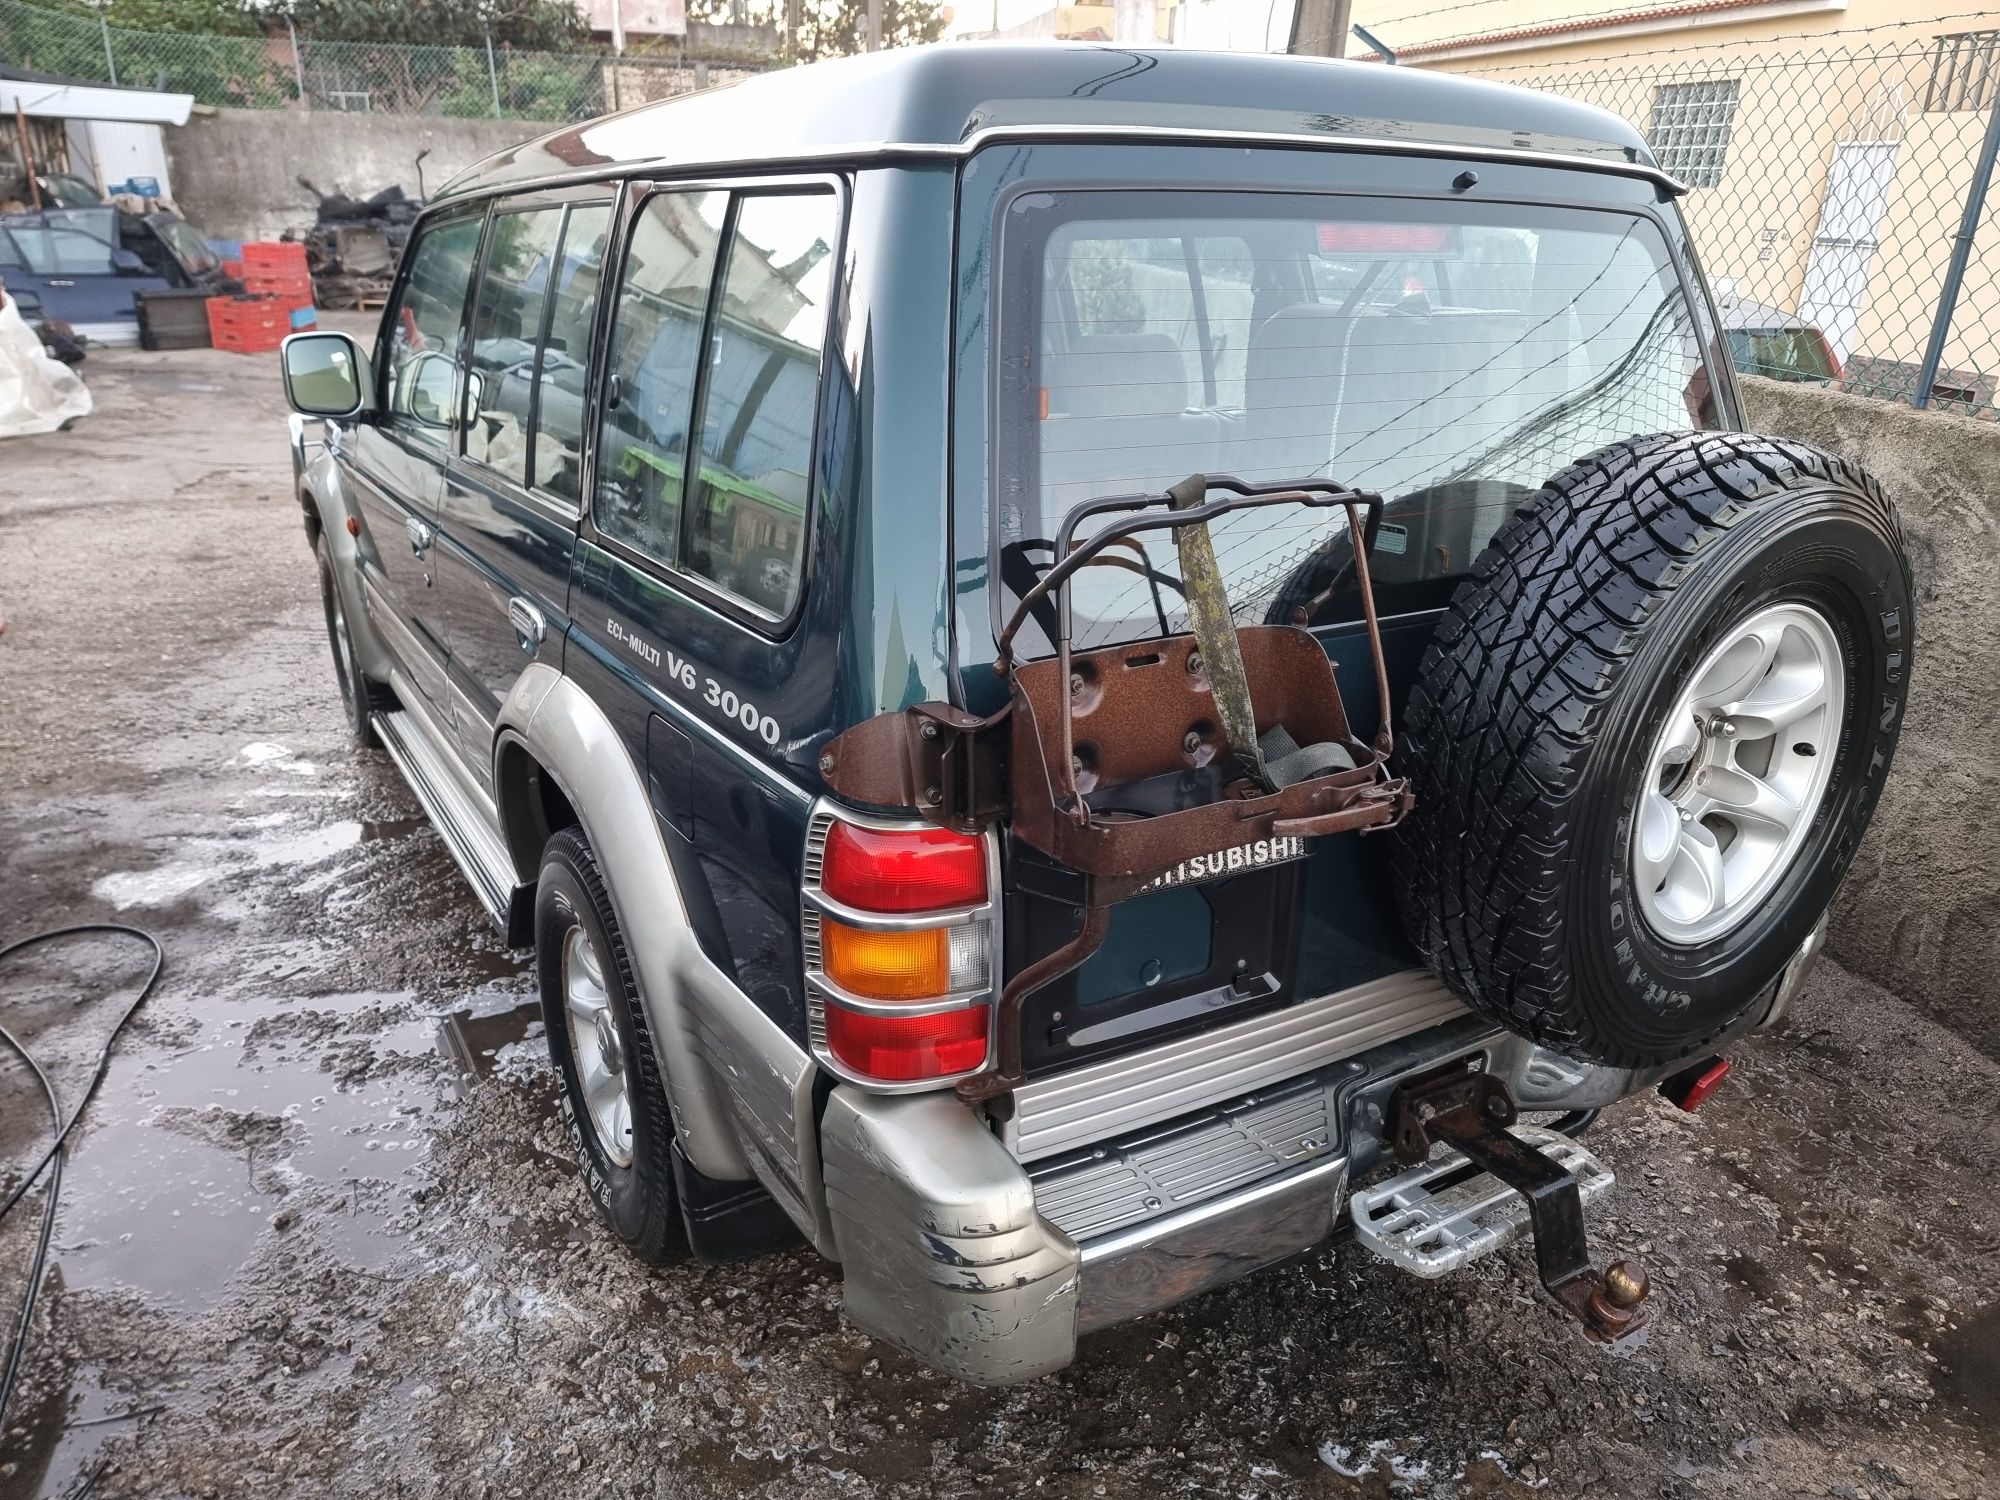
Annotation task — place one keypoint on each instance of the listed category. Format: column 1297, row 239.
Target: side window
column 421, row 370
column 642, row 450
column 506, row 330
column 747, row 495
column 63, row 252
column 565, row 360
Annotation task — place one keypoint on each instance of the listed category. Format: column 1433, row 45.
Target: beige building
column 1829, row 146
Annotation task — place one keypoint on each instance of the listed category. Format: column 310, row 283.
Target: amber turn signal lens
column 886, row 965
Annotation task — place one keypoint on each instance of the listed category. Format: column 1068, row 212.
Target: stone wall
column 1920, row 913
column 235, row 171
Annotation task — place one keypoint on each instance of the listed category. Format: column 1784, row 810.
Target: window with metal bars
column 1965, row 69
column 1691, row 123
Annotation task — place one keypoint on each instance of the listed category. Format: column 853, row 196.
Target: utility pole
column 874, row 25
column 1319, row 27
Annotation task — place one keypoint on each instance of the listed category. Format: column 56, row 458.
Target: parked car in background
column 1768, row 341
column 81, row 264
column 854, row 563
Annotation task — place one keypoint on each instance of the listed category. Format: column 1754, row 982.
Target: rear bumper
column 988, row 1254
column 944, row 1254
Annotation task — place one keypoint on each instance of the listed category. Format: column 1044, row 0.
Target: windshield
column 193, row 252
column 1448, row 356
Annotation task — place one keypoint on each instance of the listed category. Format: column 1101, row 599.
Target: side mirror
column 127, row 263
column 326, row 374
column 425, row 387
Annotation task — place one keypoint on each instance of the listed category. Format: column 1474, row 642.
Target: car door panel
column 395, row 457
column 508, row 508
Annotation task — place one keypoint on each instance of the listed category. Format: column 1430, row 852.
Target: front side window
column 1448, row 357
column 49, row 250
column 421, row 370
column 705, row 454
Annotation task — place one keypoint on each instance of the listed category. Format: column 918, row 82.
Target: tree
column 839, row 28
column 538, row 25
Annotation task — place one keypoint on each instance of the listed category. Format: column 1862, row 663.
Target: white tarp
column 37, row 394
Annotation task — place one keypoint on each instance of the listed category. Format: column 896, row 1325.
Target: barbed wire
column 1615, row 18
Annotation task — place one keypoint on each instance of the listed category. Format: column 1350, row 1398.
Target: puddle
column 157, row 887
column 1969, row 1367
column 496, row 1035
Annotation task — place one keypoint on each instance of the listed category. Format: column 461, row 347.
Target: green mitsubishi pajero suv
column 1085, row 667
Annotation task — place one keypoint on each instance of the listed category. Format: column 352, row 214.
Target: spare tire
column 1648, row 735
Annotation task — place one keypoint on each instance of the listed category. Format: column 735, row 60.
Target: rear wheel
column 613, row 1099
column 360, row 696
column 1648, row 736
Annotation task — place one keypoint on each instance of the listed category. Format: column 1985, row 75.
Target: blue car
column 73, row 265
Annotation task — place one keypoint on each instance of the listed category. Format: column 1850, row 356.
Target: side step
column 1443, row 1213
column 466, row 829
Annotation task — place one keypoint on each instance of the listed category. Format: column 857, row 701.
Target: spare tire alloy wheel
column 614, row 1100
column 1647, row 737
column 1738, row 773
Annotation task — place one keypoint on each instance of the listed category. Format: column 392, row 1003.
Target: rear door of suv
column 510, row 500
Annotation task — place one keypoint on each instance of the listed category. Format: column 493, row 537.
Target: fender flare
column 569, row 736
column 322, row 486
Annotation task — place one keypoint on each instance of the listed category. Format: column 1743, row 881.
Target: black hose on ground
column 53, row 1157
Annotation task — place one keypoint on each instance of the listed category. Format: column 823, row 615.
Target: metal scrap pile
column 354, row 244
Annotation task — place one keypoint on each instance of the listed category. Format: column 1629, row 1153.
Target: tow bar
column 1430, row 1220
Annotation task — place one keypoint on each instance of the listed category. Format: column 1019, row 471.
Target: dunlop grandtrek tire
column 1558, row 746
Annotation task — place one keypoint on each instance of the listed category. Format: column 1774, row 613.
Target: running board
column 467, row 832
column 1446, row 1213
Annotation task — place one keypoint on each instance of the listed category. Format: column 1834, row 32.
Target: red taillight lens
column 903, row 869
column 904, row 1049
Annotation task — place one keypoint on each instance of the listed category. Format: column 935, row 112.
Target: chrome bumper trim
column 1163, row 1261
column 1123, row 1094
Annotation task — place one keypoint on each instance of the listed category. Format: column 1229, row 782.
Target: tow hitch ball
column 1470, row 1112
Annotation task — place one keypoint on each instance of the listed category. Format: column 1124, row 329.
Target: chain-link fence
column 1830, row 195
column 281, row 69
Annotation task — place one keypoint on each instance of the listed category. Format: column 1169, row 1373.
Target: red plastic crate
column 274, row 258
column 290, row 289
column 247, row 325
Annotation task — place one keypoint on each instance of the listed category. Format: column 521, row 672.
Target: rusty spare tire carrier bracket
column 1122, row 762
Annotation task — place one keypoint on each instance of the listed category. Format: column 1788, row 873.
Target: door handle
column 529, row 623
column 420, row 535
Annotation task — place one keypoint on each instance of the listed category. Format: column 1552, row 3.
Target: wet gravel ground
column 321, row 1235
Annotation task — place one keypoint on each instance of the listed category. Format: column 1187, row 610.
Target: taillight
column 903, row 869
column 900, row 948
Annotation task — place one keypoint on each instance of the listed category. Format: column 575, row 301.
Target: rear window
column 1449, row 356
column 1782, row 353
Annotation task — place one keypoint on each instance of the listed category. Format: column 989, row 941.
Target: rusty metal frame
column 1021, row 763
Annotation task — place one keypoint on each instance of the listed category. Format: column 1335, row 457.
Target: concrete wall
column 235, row 171
column 1920, row 913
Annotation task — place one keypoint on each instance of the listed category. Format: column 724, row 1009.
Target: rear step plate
column 1429, row 1230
